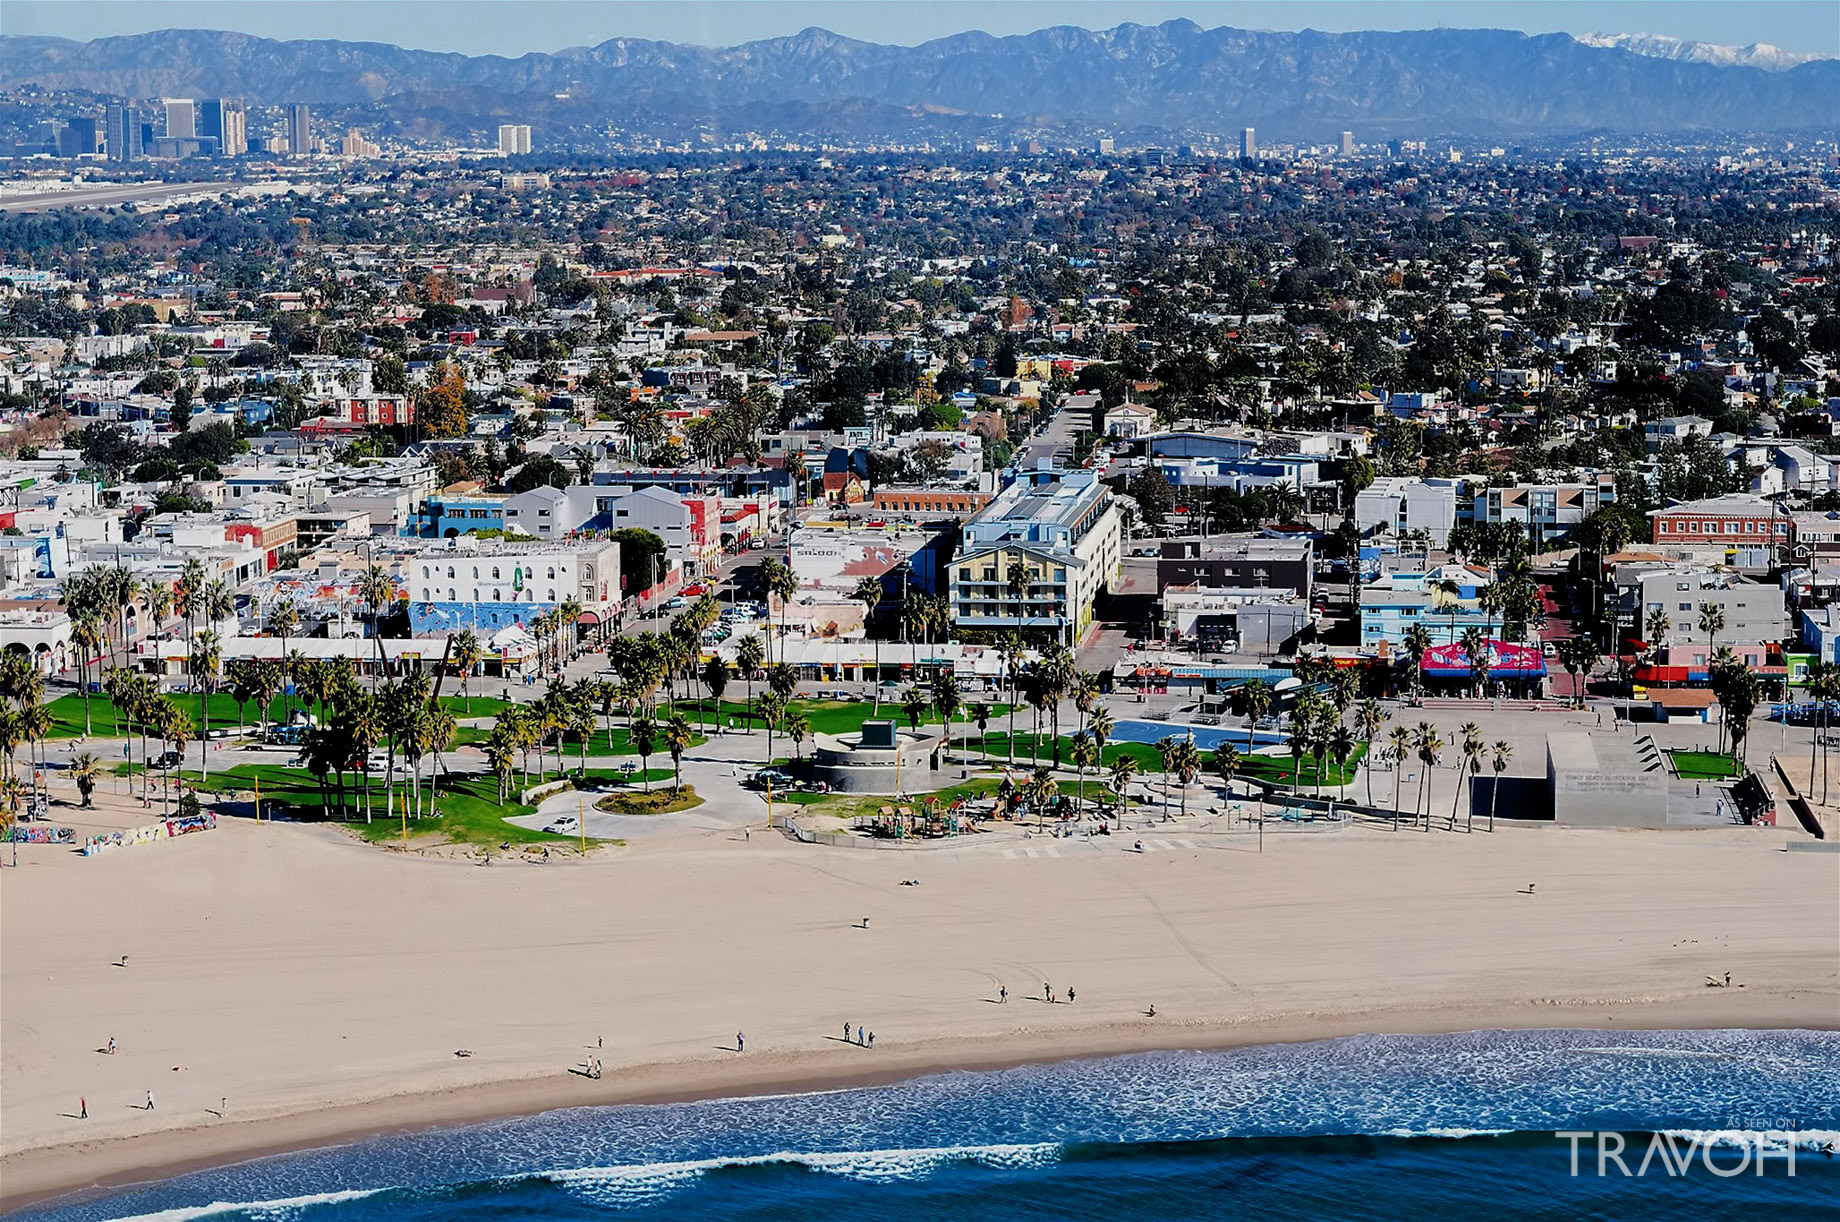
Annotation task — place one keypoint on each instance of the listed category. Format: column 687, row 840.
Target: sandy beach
column 286, row 986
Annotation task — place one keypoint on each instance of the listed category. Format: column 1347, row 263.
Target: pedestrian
column 846, row 1033
column 1046, row 992
column 1696, row 785
column 111, row 1045
column 150, row 1101
column 1070, row 995
column 1002, row 995
column 82, row 1108
column 223, row 1104
column 872, row 1034
column 740, row 1042
column 1153, row 1009
column 859, row 1035
column 600, row 1041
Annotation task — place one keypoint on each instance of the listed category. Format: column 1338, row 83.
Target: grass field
column 67, row 711
column 1275, row 769
column 1704, row 765
column 657, row 802
column 470, row 812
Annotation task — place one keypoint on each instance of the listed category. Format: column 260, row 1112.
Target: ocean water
column 1391, row 1127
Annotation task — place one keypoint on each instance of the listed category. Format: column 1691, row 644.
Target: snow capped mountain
column 1662, row 46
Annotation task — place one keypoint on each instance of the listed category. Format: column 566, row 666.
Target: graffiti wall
column 165, row 829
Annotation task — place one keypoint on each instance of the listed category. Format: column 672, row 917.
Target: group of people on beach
column 859, row 1041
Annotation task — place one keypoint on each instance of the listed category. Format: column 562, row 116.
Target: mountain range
column 1174, row 78
column 1663, row 46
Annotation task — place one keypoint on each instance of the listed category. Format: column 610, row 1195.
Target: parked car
column 566, row 825
column 770, row 776
column 168, row 759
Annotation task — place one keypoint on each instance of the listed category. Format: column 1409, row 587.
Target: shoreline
column 82, row 1169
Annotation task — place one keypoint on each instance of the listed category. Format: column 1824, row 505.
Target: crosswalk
column 1051, row 849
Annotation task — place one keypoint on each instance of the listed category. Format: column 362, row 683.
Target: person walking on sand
column 846, row 1033
column 1047, row 994
column 1070, row 995
column 740, row 1042
column 859, row 1035
column 82, row 1108
column 150, row 1101
column 1003, row 995
column 872, row 1039
column 111, row 1045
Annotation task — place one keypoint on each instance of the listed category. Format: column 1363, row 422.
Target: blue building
column 445, row 516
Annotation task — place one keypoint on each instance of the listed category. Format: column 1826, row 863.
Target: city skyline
column 515, row 27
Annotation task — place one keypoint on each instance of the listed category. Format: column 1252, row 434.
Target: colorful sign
column 1505, row 660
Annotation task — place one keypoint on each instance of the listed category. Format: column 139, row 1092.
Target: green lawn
column 1031, row 749
column 1273, row 768
column 849, row 806
column 67, row 711
column 473, row 736
column 827, row 716
column 470, row 812
column 1704, row 765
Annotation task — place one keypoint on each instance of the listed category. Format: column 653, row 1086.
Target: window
column 587, row 572
column 1686, row 606
column 450, row 595
column 496, row 597
column 495, row 572
column 552, row 572
column 475, row 572
column 450, row 570
column 552, row 596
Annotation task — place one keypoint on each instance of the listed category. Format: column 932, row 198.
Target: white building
column 513, row 139
column 1400, row 504
column 486, row 585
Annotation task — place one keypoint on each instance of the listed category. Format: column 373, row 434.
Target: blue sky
column 513, row 27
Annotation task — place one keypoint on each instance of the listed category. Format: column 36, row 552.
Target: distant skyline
column 517, row 27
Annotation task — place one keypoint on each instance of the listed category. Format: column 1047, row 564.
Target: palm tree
column 749, row 658
column 376, row 591
column 1429, row 743
column 1476, row 648
column 501, row 755
column 1577, row 654
column 1012, row 662
column 798, row 729
column 1369, row 718
column 644, row 735
column 1401, row 742
column 715, row 681
column 87, row 635
column 914, row 704
column 1447, row 595
column 1016, row 582
column 567, row 616
column 1123, row 769
column 85, row 769
column 946, row 699
column 772, row 709
column 1341, row 744
column 777, row 579
column 1099, row 724
column 207, row 656
column 677, row 736
column 980, row 713
column 1504, row 750
column 1085, row 755
column 869, row 594
column 465, row 658
column 1417, row 643
column 1054, row 676
column 284, row 621
column 1472, row 760
column 1252, row 700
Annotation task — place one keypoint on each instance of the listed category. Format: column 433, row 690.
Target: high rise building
column 181, row 118
column 223, row 120
column 122, row 130
column 1347, row 144
column 1248, row 144
column 78, row 137
column 513, row 138
column 1106, row 146
column 300, row 129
